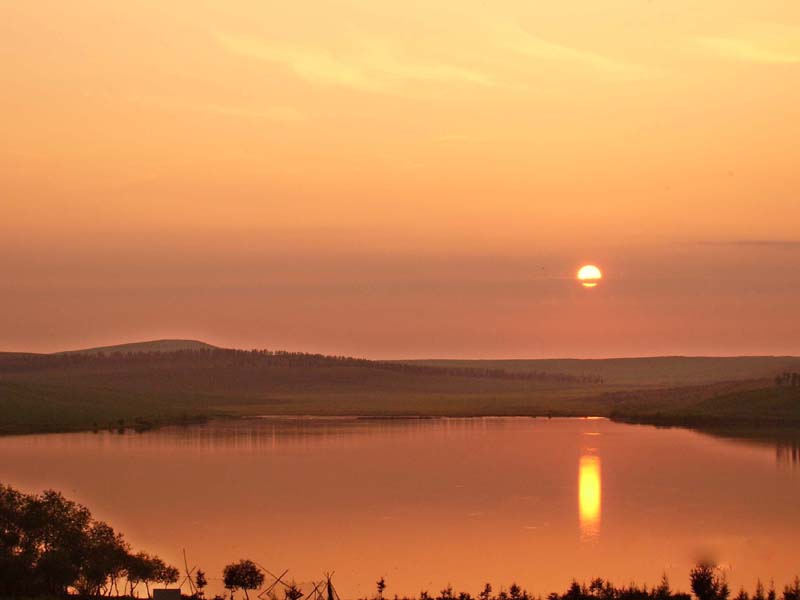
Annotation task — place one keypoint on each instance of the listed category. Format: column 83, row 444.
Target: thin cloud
column 749, row 51
column 372, row 68
column 270, row 113
column 524, row 43
column 762, row 243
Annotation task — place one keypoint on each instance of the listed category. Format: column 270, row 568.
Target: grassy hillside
column 93, row 389
column 47, row 392
column 650, row 371
column 756, row 403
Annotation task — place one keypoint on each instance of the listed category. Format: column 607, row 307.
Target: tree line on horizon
column 227, row 358
column 788, row 379
column 52, row 547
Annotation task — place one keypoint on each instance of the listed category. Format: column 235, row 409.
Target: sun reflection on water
column 589, row 496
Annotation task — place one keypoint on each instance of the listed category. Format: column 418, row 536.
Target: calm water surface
column 431, row 502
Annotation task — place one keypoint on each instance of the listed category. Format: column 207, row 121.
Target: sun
column 589, row 276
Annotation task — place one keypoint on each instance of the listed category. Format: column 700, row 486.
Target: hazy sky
column 402, row 179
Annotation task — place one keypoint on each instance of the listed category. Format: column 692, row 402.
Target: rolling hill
column 168, row 381
column 150, row 346
column 87, row 390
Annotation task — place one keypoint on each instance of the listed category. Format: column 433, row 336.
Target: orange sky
column 401, row 179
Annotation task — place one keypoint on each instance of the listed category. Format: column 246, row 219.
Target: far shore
column 158, row 385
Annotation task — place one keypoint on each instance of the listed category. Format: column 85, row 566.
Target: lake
column 426, row 503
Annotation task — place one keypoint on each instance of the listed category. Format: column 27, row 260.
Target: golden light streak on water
column 589, row 496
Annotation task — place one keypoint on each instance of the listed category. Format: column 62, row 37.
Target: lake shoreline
column 766, row 428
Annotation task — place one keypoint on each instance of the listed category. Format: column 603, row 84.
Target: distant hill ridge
column 652, row 370
column 670, row 371
column 178, row 381
column 149, row 346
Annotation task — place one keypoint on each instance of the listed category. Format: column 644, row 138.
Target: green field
column 176, row 381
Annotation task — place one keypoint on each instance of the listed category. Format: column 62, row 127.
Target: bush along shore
column 52, row 548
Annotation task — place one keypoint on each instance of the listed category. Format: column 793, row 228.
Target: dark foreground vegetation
column 707, row 582
column 51, row 547
column 141, row 386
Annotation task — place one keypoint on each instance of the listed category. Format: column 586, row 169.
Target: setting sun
column 329, row 273
column 589, row 276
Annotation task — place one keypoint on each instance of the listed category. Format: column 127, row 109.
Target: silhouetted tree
column 243, row 575
column 104, row 561
column 792, row 592
column 759, row 593
column 380, row 585
column 200, row 582
column 596, row 587
column 742, row 595
column 49, row 544
column 147, row 569
column 575, row 592
column 662, row 591
column 707, row 584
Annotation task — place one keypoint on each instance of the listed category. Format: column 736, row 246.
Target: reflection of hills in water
column 785, row 440
column 787, row 453
column 257, row 434
column 278, row 433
